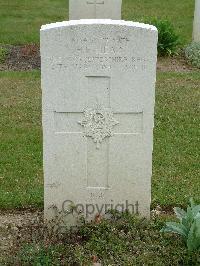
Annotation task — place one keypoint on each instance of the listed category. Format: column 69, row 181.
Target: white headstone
column 98, row 82
column 95, row 9
column 196, row 27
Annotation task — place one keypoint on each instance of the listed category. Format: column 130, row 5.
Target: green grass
column 176, row 151
column 176, row 141
column 20, row 20
column 21, row 180
column 180, row 13
column 3, row 54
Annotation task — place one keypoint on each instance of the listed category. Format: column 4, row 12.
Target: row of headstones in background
column 111, row 9
column 95, row 9
column 98, row 83
column 196, row 26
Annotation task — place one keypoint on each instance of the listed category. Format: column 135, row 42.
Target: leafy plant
column 189, row 226
column 192, row 53
column 168, row 40
column 3, row 54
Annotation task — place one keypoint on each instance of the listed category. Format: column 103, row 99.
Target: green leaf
column 193, row 241
column 190, row 216
column 189, row 226
column 196, row 210
column 173, row 227
column 192, row 203
column 186, row 223
column 180, row 213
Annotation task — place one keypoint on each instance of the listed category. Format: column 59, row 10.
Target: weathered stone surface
column 98, row 83
column 95, row 9
column 196, row 26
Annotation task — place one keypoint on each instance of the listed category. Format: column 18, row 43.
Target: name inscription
column 98, row 62
column 98, row 52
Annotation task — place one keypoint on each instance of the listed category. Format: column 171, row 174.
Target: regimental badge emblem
column 98, row 123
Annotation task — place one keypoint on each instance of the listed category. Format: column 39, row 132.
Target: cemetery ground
column 175, row 173
column 19, row 44
column 175, row 161
column 20, row 21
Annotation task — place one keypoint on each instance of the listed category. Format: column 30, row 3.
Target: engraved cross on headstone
column 98, row 126
column 95, row 3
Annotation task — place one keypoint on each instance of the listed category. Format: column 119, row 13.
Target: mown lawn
column 21, row 180
column 20, row 20
column 176, row 168
column 176, row 142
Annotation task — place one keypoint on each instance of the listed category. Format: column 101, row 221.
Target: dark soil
column 11, row 225
column 174, row 64
column 21, row 58
column 27, row 57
